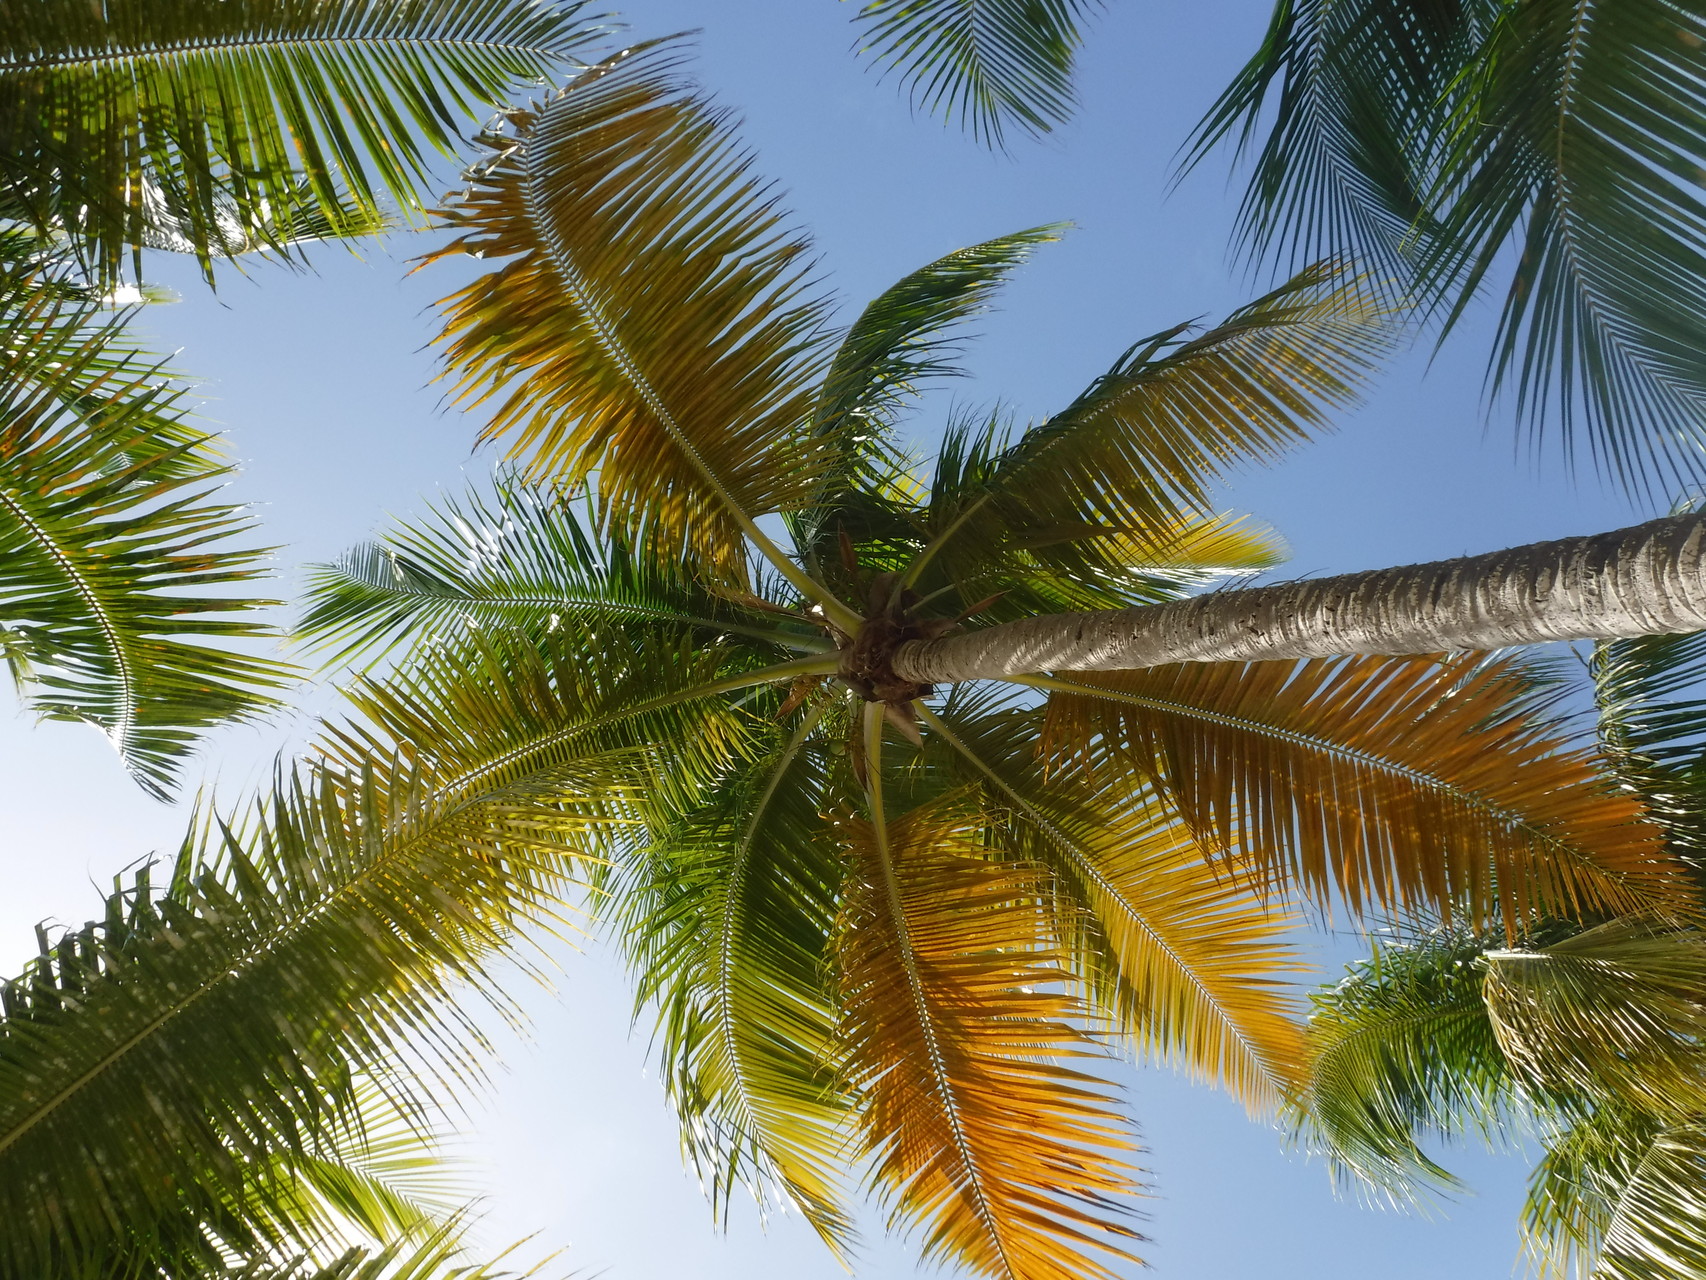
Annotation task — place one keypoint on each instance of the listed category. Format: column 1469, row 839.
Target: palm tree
column 214, row 127
column 1441, row 143
column 886, row 927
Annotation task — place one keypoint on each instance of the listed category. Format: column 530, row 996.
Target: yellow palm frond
column 959, row 1029
column 1203, row 960
column 1407, row 783
column 650, row 317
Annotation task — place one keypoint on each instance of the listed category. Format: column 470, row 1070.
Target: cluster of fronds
column 1438, row 143
column 1587, row 1036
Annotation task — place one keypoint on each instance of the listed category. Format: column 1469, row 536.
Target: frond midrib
column 1342, row 751
column 915, row 981
column 568, row 271
column 658, row 613
column 732, row 915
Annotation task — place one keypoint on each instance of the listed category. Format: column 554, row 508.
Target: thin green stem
column 811, row 664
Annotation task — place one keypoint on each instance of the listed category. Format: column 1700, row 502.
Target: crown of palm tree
column 888, row 928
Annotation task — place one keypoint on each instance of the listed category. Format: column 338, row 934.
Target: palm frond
column 115, row 561
column 520, row 560
column 378, row 1170
column 1441, row 141
column 255, row 117
column 905, row 336
column 1652, row 728
column 440, row 1257
column 1072, row 569
column 156, row 1064
column 1141, row 450
column 1416, row 784
column 959, row 1034
column 1613, row 1013
column 1192, row 966
column 295, row 220
column 991, row 64
column 1578, row 147
column 1402, row 1050
column 1356, row 97
column 1641, row 693
column 152, row 1060
column 649, row 315
column 725, row 918
column 1575, row 1187
column 1618, row 1197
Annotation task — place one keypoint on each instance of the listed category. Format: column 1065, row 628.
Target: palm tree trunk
column 1646, row 580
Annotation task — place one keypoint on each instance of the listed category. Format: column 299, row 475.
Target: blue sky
column 323, row 384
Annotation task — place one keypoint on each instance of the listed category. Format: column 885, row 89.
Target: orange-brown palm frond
column 1193, row 964
column 1391, row 783
column 959, row 1029
column 651, row 319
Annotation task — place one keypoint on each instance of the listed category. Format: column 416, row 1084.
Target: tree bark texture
column 1645, row 580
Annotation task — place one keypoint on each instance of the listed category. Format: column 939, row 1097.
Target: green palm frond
column 215, row 120
column 1612, row 1013
column 149, row 1060
column 1085, row 563
column 115, row 559
column 991, row 64
column 1356, row 97
column 522, row 560
column 1193, row 968
column 378, row 1169
column 1579, row 149
column 293, row 220
column 1464, row 801
column 1644, row 694
column 440, row 1257
column 1652, row 728
column 905, row 336
column 1575, row 1188
column 981, row 1127
column 1142, row 448
column 1442, row 141
column 1402, row 1051
column 651, row 316
column 725, row 917
column 1618, row 1197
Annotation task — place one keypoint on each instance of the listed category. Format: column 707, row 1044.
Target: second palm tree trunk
column 1645, row 580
